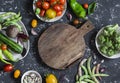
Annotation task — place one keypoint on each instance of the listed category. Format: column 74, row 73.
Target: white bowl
column 28, row 73
column 26, row 44
column 97, row 45
column 49, row 20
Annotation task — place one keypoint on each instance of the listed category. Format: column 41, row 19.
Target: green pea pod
column 14, row 23
column 7, row 14
column 85, row 69
column 93, row 73
column 77, row 9
column 89, row 81
column 9, row 55
column 1, row 58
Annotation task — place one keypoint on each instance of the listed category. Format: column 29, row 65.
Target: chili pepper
column 77, row 9
column 8, row 55
column 1, row 58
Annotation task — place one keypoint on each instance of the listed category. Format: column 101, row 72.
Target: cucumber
column 11, row 44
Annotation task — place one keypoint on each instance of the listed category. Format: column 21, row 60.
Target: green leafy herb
column 91, row 8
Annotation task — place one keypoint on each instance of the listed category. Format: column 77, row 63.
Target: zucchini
column 11, row 44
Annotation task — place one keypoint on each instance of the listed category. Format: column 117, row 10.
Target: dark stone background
column 107, row 12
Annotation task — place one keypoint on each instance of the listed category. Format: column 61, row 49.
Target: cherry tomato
column 8, row 68
column 62, row 2
column 34, row 23
column 85, row 6
column 51, row 13
column 62, row 7
column 52, row 2
column 45, row 5
column 38, row 4
column 59, row 13
column 57, row 7
column 42, row 13
column 17, row 73
column 51, row 78
column 3, row 46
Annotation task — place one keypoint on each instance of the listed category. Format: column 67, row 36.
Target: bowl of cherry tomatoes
column 49, row 10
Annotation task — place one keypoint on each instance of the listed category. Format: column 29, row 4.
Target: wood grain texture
column 62, row 44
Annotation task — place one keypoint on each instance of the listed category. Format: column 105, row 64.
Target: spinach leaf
column 91, row 8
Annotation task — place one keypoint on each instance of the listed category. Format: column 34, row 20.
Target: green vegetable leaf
column 91, row 8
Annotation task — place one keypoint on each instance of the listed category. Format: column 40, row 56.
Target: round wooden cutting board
column 62, row 44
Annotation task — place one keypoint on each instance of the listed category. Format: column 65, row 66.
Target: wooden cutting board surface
column 62, row 44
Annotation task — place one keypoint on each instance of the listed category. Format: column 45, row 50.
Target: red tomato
column 3, row 46
column 57, row 7
column 62, row 2
column 45, row 5
column 62, row 7
column 8, row 68
column 38, row 4
column 52, row 2
column 59, row 13
column 85, row 6
column 42, row 12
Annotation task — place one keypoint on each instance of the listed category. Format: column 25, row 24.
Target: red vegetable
column 62, row 2
column 52, row 2
column 57, row 8
column 42, row 13
column 22, row 36
column 85, row 6
column 3, row 46
column 59, row 13
column 45, row 5
column 8, row 68
column 38, row 4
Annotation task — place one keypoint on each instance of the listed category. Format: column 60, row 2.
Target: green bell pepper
column 77, row 9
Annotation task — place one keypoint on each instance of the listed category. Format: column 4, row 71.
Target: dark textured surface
column 107, row 12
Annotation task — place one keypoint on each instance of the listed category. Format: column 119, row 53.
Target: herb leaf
column 91, row 8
